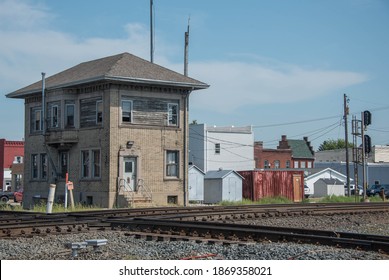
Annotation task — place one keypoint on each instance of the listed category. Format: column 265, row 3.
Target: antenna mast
column 151, row 33
column 186, row 50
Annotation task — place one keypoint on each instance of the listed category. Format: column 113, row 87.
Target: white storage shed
column 222, row 185
column 324, row 187
column 195, row 184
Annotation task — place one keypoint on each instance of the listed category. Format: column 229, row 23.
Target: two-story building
column 227, row 147
column 117, row 127
column 290, row 153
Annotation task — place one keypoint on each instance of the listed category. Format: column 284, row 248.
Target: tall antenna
column 151, row 33
column 186, row 50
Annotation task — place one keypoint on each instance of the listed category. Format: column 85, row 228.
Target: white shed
column 222, row 185
column 324, row 187
column 196, row 184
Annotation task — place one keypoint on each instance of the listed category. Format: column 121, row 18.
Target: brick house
column 11, row 153
column 118, row 126
column 290, row 153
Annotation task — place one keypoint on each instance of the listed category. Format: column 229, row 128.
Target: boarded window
column 89, row 115
column 150, row 111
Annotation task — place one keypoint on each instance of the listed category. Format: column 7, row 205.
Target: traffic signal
column 367, row 144
column 366, row 118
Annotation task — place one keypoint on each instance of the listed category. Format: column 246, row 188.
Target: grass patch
column 265, row 200
column 345, row 199
column 41, row 208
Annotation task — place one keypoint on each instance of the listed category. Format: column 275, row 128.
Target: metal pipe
column 50, row 198
column 43, row 114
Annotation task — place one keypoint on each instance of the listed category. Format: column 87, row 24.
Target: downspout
column 44, row 126
column 186, row 112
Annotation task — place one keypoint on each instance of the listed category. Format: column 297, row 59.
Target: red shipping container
column 258, row 184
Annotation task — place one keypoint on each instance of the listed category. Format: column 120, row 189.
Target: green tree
column 332, row 144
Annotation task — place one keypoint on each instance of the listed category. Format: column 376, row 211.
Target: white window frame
column 171, row 115
column 296, row 164
column 169, row 164
column 130, row 112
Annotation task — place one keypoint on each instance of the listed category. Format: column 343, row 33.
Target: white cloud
column 235, row 84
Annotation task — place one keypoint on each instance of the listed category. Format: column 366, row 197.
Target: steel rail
column 253, row 233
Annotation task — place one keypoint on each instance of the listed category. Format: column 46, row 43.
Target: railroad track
column 207, row 223
column 235, row 233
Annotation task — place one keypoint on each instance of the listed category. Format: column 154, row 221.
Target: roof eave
column 190, row 86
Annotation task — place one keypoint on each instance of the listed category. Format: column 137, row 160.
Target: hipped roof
column 123, row 67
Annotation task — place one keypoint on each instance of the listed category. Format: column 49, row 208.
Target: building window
column 43, row 165
column 54, row 116
column 266, row 164
column 172, row 164
column 288, row 164
column 172, row 199
column 63, row 163
column 126, row 111
column 84, row 164
column 302, row 164
column 99, row 111
column 173, row 114
column 36, row 120
column 90, row 164
column 96, row 163
column 276, row 164
column 296, row 164
column 217, row 148
column 309, row 164
column 69, row 115
column 34, row 166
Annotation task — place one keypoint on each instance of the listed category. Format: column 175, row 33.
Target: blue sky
column 281, row 66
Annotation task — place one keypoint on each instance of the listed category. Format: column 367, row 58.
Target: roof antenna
column 151, row 33
column 186, row 50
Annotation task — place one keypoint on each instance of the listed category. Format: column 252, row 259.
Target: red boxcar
column 258, row 184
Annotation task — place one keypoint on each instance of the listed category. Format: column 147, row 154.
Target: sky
column 281, row 66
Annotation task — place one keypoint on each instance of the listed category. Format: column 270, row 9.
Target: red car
column 18, row 196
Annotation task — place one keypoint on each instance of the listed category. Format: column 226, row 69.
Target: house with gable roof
column 117, row 127
column 290, row 153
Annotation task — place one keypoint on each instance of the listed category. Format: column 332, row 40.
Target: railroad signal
column 366, row 118
column 367, row 143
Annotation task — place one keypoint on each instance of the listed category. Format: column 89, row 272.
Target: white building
column 326, row 173
column 229, row 148
column 381, row 153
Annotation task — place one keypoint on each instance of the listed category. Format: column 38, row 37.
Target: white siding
column 236, row 147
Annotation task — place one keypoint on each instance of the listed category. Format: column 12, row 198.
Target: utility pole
column 346, row 111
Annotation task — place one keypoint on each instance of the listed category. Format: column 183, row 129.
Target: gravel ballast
column 121, row 246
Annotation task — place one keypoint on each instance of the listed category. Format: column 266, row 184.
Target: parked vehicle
column 374, row 190
column 6, row 196
column 352, row 190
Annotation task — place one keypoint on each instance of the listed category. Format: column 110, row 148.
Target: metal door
column 129, row 172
